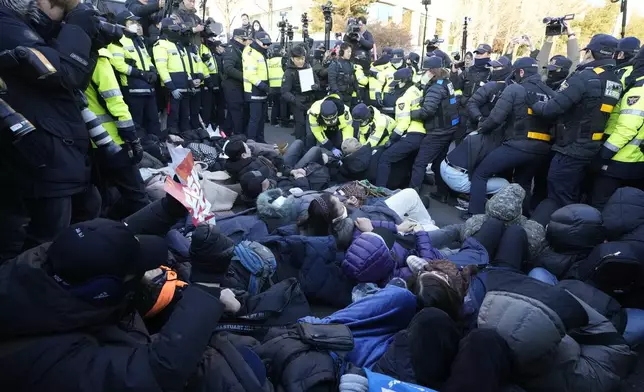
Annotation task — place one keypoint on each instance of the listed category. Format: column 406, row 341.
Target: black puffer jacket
column 434, row 95
column 512, row 108
column 623, row 218
column 236, row 169
column 482, row 102
column 355, row 166
column 572, row 234
column 291, row 87
column 232, row 60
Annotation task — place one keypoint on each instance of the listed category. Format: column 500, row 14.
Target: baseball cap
column 432, row 62
column 167, row 22
column 241, row 33
column 628, row 45
column 500, row 62
column 263, row 37
column 483, row 48
column 251, row 183
column 403, row 74
column 526, row 63
column 360, row 112
column 602, row 43
column 559, row 62
column 103, row 247
column 124, row 16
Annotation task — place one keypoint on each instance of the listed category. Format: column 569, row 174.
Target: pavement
column 443, row 215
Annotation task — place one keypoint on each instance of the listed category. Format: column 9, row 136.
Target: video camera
column 282, row 23
column 433, row 43
column 212, row 28
column 555, row 26
column 305, row 26
column 458, row 64
column 353, row 28
column 11, row 120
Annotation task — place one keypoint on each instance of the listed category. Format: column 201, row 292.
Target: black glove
column 394, row 138
column 206, row 57
column 373, row 74
column 136, row 151
column 262, row 86
column 150, row 77
column 315, row 87
column 209, row 83
column 84, row 17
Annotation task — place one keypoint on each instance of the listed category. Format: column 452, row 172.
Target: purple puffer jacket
column 369, row 260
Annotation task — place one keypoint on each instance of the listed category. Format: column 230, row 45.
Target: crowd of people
column 328, row 273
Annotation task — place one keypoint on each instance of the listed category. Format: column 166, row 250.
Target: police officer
column 106, row 102
column 627, row 49
column 360, row 95
column 374, row 128
column 219, row 112
column 557, row 71
column 171, row 60
column 527, row 138
column 233, row 82
column 581, row 107
column 412, row 62
column 256, row 86
column 342, row 80
column 376, row 83
column 389, row 94
column 408, row 134
column 439, row 112
column 433, row 50
column 329, row 124
column 292, row 93
column 211, row 78
column 482, row 102
column 137, row 75
column 467, row 81
column 620, row 161
column 275, row 76
column 195, row 69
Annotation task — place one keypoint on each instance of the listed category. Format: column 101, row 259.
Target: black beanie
column 251, row 184
column 234, row 150
column 210, row 250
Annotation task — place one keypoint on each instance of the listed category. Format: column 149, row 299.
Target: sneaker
column 462, row 205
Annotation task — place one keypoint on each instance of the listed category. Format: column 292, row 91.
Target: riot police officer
column 233, row 82
column 342, row 80
column 557, row 71
column 627, row 49
column 409, row 133
column 292, row 93
column 374, row 128
column 256, row 87
column 527, row 138
column 412, row 62
column 275, row 76
column 482, row 102
column 581, row 107
column 389, row 94
column 376, row 83
column 329, row 124
column 439, row 112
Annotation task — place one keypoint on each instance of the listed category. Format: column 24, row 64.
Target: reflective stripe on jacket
column 125, row 53
column 172, row 65
column 255, row 72
column 377, row 132
column 345, row 121
column 410, row 101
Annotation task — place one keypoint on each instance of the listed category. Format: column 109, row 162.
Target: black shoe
column 429, row 179
column 439, row 197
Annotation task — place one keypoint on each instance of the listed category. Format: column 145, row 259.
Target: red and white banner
column 189, row 191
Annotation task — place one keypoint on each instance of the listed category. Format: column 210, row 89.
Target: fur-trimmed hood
column 267, row 208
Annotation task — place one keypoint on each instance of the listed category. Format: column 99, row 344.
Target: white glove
column 416, row 264
column 176, row 94
column 230, row 302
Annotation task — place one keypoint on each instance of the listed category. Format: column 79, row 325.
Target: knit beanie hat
column 211, row 251
column 506, row 205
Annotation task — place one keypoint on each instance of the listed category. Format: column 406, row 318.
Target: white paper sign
column 306, row 79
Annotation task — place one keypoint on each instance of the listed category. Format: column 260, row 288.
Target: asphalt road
column 444, row 214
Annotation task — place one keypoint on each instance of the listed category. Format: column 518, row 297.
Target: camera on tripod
column 327, row 9
column 555, row 25
column 282, row 23
column 433, row 43
column 353, row 28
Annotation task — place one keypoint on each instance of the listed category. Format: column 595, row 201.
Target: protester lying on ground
column 241, row 161
column 83, row 315
column 311, row 177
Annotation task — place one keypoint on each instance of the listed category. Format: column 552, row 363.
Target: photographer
column 572, row 48
column 151, row 13
column 187, row 14
column 433, row 50
column 342, row 80
column 361, row 40
column 48, row 166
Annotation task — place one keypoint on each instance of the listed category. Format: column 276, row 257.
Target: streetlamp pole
column 622, row 9
column 426, row 3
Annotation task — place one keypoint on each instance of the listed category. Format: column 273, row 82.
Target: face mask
column 44, row 25
column 481, row 62
column 516, row 76
column 397, row 65
column 133, row 28
column 426, row 78
column 343, row 216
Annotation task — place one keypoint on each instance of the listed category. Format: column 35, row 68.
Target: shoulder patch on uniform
column 401, row 105
column 630, row 101
column 563, row 86
column 613, row 89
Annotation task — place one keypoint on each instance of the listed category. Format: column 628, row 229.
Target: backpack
column 259, row 261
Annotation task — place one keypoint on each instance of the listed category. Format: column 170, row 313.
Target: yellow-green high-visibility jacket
column 129, row 59
column 104, row 98
column 377, row 132
column 206, row 66
column 386, row 77
column 195, row 66
column 376, row 84
column 275, row 74
column 411, row 100
column 626, row 136
column 319, row 129
column 255, row 71
column 361, row 78
column 172, row 64
column 622, row 73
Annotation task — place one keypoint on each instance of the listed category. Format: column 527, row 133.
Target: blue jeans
column 543, row 275
column 460, row 182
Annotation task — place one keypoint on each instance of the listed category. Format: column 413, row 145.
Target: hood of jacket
column 267, row 207
column 575, row 228
column 36, row 305
column 368, row 259
column 27, row 9
column 624, row 215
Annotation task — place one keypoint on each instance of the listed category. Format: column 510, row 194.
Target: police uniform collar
column 597, row 63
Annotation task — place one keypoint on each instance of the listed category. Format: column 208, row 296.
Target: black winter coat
column 480, row 105
column 53, row 341
column 150, row 15
column 233, row 67
column 434, row 95
column 567, row 105
column 623, row 218
column 572, row 233
column 356, row 166
column 291, row 88
column 342, row 78
column 469, row 81
column 512, row 108
column 472, row 150
column 236, row 169
column 52, row 160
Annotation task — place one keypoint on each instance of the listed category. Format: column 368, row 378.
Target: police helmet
column 329, row 112
column 362, row 113
column 397, row 57
column 431, row 62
